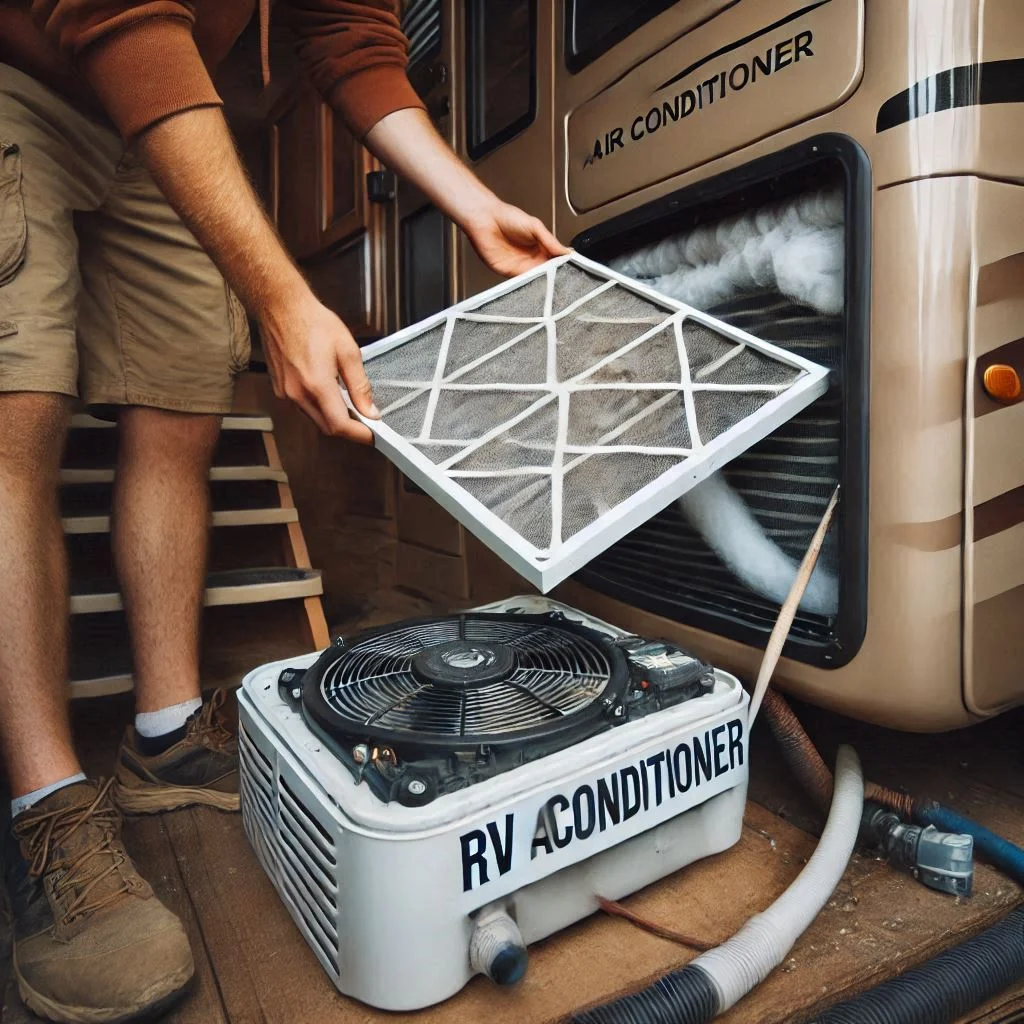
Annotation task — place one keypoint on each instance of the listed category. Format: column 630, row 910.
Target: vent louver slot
column 421, row 25
column 293, row 847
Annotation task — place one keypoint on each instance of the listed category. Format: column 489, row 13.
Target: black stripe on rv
column 969, row 85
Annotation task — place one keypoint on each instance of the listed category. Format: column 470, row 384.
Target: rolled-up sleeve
column 139, row 58
column 356, row 55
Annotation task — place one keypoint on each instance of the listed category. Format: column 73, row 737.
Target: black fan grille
column 371, row 687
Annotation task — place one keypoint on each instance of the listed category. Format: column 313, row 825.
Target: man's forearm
column 192, row 158
column 507, row 239
column 410, row 145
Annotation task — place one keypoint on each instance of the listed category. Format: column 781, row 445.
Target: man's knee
column 159, row 434
column 33, row 426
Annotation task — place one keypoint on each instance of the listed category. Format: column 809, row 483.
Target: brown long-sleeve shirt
column 146, row 60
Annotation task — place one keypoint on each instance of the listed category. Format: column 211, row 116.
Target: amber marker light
column 1001, row 382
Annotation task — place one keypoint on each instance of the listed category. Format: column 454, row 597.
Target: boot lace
column 48, row 831
column 208, row 727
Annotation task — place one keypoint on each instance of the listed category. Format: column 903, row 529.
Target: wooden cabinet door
column 344, row 207
column 348, row 279
column 295, row 130
column 318, row 202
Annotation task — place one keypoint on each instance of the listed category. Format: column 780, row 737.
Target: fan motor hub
column 464, row 664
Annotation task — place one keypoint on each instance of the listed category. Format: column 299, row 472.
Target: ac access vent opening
column 667, row 565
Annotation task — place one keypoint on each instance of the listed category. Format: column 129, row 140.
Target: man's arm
column 355, row 54
column 138, row 56
column 508, row 240
column 192, row 157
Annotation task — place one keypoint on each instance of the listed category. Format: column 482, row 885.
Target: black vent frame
column 422, row 26
column 779, row 175
column 641, row 13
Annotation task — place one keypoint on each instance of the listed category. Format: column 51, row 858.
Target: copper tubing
column 902, row 803
column 618, row 910
column 797, row 749
column 807, row 765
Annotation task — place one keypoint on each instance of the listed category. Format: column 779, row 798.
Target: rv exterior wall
column 927, row 91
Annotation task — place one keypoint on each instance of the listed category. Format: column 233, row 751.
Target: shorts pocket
column 13, row 225
column 240, row 344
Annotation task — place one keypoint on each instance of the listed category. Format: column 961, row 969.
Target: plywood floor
column 254, row 967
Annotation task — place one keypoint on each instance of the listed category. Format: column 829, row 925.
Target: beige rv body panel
column 994, row 494
column 684, row 106
column 945, row 606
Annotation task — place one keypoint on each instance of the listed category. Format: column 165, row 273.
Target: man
column 123, row 204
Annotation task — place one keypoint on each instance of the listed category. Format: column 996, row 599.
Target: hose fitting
column 941, row 860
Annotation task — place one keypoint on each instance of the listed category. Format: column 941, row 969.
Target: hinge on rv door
column 380, row 186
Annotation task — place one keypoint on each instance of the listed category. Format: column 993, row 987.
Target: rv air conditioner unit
column 473, row 783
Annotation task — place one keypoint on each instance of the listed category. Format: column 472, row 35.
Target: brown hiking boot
column 92, row 942
column 201, row 768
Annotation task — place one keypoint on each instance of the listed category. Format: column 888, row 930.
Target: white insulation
column 796, row 248
column 729, row 528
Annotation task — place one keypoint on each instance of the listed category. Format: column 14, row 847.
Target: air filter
column 560, row 410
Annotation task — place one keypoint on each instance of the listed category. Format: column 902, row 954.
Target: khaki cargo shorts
column 104, row 293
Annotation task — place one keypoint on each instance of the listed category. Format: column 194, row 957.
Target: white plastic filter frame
column 547, row 567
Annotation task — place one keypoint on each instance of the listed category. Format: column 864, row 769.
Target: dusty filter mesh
column 537, row 409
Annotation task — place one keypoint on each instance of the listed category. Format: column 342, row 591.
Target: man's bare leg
column 35, row 736
column 160, row 538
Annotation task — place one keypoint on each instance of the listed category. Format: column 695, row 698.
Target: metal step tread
column 83, row 421
column 217, row 473
column 229, row 587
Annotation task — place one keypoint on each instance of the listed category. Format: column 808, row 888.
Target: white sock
column 23, row 803
column 159, row 723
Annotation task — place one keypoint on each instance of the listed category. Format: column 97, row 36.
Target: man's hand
column 307, row 346
column 510, row 241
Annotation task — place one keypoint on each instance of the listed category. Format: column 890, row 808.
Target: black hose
column 686, row 996
column 947, row 986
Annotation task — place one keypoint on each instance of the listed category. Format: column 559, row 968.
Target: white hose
column 729, row 528
column 745, row 960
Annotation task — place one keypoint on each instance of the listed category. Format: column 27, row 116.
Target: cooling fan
column 430, row 706
column 476, row 781
column 469, row 680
